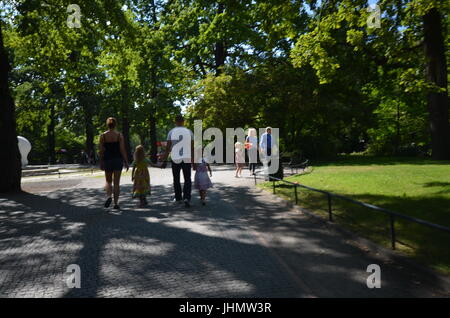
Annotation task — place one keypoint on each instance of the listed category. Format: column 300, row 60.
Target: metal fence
column 392, row 214
column 57, row 171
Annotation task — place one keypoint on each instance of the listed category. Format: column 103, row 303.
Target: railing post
column 330, row 211
column 273, row 182
column 296, row 196
column 391, row 216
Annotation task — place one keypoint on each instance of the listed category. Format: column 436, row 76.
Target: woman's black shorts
column 114, row 164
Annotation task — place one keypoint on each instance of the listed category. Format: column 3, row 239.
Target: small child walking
column 140, row 176
column 201, row 180
column 239, row 158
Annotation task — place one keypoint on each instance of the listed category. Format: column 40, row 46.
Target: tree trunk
column 89, row 128
column 154, row 106
column 437, row 73
column 152, row 120
column 86, row 102
column 126, row 120
column 89, row 134
column 10, row 164
column 153, row 138
column 398, row 137
column 142, row 136
column 51, row 134
column 126, row 135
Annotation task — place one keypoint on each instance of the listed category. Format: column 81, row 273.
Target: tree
column 394, row 48
column 313, row 68
column 10, row 166
column 438, row 106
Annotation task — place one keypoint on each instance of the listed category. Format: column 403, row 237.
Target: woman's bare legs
column 117, row 186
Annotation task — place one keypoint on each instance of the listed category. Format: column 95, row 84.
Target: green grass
column 123, row 174
column 411, row 186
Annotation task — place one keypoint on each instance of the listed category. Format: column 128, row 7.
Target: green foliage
column 314, row 69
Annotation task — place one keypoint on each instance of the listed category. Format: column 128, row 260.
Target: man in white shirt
column 180, row 144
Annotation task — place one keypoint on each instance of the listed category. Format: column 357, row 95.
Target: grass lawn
column 411, row 186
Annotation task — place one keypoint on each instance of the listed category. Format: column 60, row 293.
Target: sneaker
column 203, row 202
column 108, row 202
column 186, row 203
column 177, row 201
column 116, row 207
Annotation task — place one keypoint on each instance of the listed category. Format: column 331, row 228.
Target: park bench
column 55, row 170
column 295, row 163
column 39, row 172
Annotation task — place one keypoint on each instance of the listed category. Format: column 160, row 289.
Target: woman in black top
column 112, row 158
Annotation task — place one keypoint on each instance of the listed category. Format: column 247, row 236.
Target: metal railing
column 71, row 172
column 392, row 214
column 59, row 172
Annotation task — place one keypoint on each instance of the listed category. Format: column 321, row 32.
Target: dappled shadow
column 167, row 250
column 124, row 254
column 429, row 246
column 369, row 160
column 267, row 217
column 436, row 184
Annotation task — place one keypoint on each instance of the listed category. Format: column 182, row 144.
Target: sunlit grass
column 415, row 187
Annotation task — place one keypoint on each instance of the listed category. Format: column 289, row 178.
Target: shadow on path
column 239, row 245
column 126, row 254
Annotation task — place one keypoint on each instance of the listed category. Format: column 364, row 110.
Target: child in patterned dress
column 201, row 180
column 140, row 176
column 239, row 158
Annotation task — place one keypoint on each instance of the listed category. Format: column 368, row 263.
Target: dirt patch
column 49, row 185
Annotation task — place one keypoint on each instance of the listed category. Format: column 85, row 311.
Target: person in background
column 239, row 158
column 112, row 158
column 92, row 158
column 83, row 157
column 265, row 148
column 251, row 144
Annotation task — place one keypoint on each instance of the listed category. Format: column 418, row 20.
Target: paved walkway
column 244, row 243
